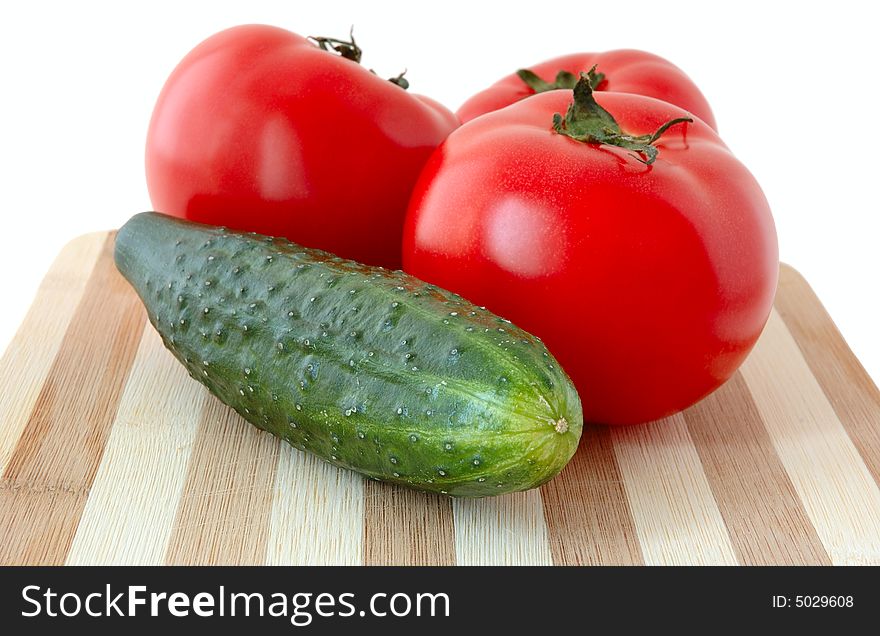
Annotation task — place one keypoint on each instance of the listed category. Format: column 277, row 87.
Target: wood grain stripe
column 837, row 490
column 505, row 530
column 848, row 387
column 130, row 510
column 588, row 517
column 765, row 518
column 317, row 515
column 223, row 518
column 109, row 454
column 29, row 356
column 676, row 517
column 50, row 472
column 405, row 527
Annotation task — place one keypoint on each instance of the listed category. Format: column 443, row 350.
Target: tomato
column 622, row 71
column 648, row 266
column 261, row 129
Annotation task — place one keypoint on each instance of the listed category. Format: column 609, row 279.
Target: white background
column 794, row 87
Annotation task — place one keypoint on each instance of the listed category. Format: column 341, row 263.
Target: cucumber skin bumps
column 369, row 369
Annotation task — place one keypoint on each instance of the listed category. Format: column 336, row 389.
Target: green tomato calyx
column 564, row 79
column 586, row 121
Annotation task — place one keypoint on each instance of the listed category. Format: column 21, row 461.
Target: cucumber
column 369, row 369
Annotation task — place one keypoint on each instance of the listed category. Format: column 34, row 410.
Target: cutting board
column 110, row 454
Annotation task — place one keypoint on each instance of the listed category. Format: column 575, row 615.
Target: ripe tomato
column 260, row 129
column 649, row 280
column 622, row 71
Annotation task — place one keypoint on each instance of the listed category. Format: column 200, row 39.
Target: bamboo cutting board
column 110, row 454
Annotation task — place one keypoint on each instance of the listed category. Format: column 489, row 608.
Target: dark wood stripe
column 224, row 512
column 588, row 517
column 405, row 527
column 48, row 477
column 765, row 519
column 848, row 387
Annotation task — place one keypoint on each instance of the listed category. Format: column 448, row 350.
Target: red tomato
column 649, row 283
column 625, row 71
column 259, row 129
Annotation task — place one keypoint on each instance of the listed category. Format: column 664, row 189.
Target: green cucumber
column 372, row 370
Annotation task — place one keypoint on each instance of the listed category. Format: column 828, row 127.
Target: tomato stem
column 586, row 121
column 345, row 48
column 351, row 51
column 400, row 80
column 564, row 79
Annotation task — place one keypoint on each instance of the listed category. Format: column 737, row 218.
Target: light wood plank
column 779, row 466
column 675, row 514
column 505, row 530
column 830, row 477
column 317, row 515
column 223, row 517
column 28, row 358
column 50, row 472
column 846, row 384
column 130, row 511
